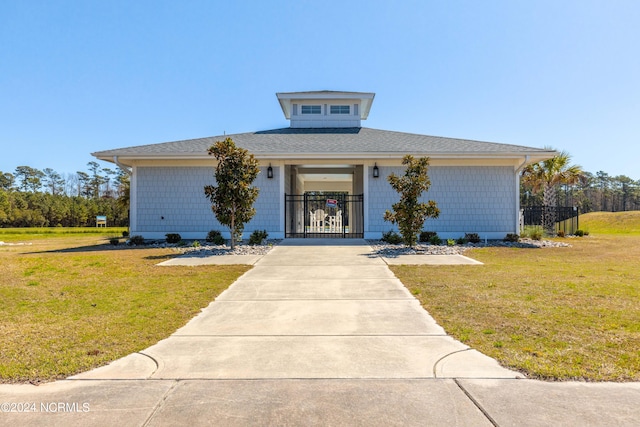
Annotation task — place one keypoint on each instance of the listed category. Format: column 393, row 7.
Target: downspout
column 121, row 166
column 517, row 172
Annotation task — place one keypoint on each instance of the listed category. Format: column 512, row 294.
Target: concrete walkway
column 317, row 333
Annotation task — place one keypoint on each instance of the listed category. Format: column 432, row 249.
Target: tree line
column 30, row 197
column 45, row 198
column 591, row 192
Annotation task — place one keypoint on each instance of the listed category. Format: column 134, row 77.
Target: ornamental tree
column 233, row 197
column 409, row 213
column 546, row 177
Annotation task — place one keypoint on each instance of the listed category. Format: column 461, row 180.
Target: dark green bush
column 136, row 240
column 512, row 237
column 173, row 237
column 435, row 240
column 215, row 237
column 461, row 241
column 258, row 236
column 472, row 237
column 114, row 241
column 125, row 233
column 426, row 236
column 579, row 233
column 391, row 237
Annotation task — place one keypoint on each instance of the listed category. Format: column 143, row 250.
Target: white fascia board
column 533, row 157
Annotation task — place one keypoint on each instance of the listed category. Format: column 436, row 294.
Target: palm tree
column 547, row 176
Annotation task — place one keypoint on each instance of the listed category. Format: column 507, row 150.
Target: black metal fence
column 565, row 219
column 324, row 216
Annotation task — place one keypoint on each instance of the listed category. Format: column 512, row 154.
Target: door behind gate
column 324, row 216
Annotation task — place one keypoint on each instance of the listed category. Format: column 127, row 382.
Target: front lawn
column 552, row 313
column 71, row 303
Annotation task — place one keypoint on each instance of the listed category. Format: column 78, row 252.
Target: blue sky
column 84, row 76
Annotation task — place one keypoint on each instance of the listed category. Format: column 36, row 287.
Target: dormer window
column 311, row 109
column 340, row 109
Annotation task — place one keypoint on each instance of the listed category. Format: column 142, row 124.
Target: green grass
column 553, row 313
column 611, row 222
column 18, row 234
column 71, row 303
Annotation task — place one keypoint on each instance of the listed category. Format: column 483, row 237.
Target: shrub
column 173, row 237
column 391, row 237
column 114, row 241
column 136, row 240
column 451, row 242
column 257, row 237
column 125, row 233
column 561, row 233
column 426, row 236
column 195, row 244
column 215, row 237
column 472, row 237
column 512, row 237
column 461, row 241
column 536, row 234
column 579, row 233
column 435, row 240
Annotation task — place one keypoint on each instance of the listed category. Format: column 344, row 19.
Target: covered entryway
column 324, row 214
column 324, row 201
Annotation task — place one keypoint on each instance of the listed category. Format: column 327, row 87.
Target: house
column 326, row 175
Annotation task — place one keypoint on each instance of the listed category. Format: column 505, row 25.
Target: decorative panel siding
column 268, row 205
column 471, row 199
column 172, row 200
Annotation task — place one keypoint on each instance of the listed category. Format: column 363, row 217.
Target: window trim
column 340, row 109
column 311, row 108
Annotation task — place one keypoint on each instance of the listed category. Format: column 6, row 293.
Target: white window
column 311, row 109
column 340, row 109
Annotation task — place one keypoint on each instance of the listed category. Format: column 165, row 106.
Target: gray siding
column 177, row 194
column 471, row 199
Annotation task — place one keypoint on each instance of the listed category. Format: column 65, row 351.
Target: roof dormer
column 325, row 108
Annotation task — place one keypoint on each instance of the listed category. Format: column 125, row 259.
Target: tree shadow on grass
column 103, row 247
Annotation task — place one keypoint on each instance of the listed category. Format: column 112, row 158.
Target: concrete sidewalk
column 317, row 333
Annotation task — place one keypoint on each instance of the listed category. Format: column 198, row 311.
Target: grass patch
column 611, row 222
column 553, row 313
column 67, row 305
column 39, row 233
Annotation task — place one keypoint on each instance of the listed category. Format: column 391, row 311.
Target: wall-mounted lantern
column 269, row 171
column 376, row 171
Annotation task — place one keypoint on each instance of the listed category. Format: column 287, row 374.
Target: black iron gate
column 324, row 216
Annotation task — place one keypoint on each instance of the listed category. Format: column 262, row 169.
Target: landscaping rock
column 386, row 249
column 241, row 249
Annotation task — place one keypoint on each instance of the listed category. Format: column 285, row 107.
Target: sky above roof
column 78, row 77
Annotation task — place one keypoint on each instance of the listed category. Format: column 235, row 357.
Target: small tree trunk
column 549, row 210
column 233, row 233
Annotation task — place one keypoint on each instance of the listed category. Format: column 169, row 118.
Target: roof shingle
column 329, row 141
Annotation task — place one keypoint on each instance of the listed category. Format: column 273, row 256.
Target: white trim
column 444, row 159
column 517, row 171
column 133, row 201
column 281, row 176
column 365, row 190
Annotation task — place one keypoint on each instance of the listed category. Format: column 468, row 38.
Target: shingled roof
column 329, row 143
